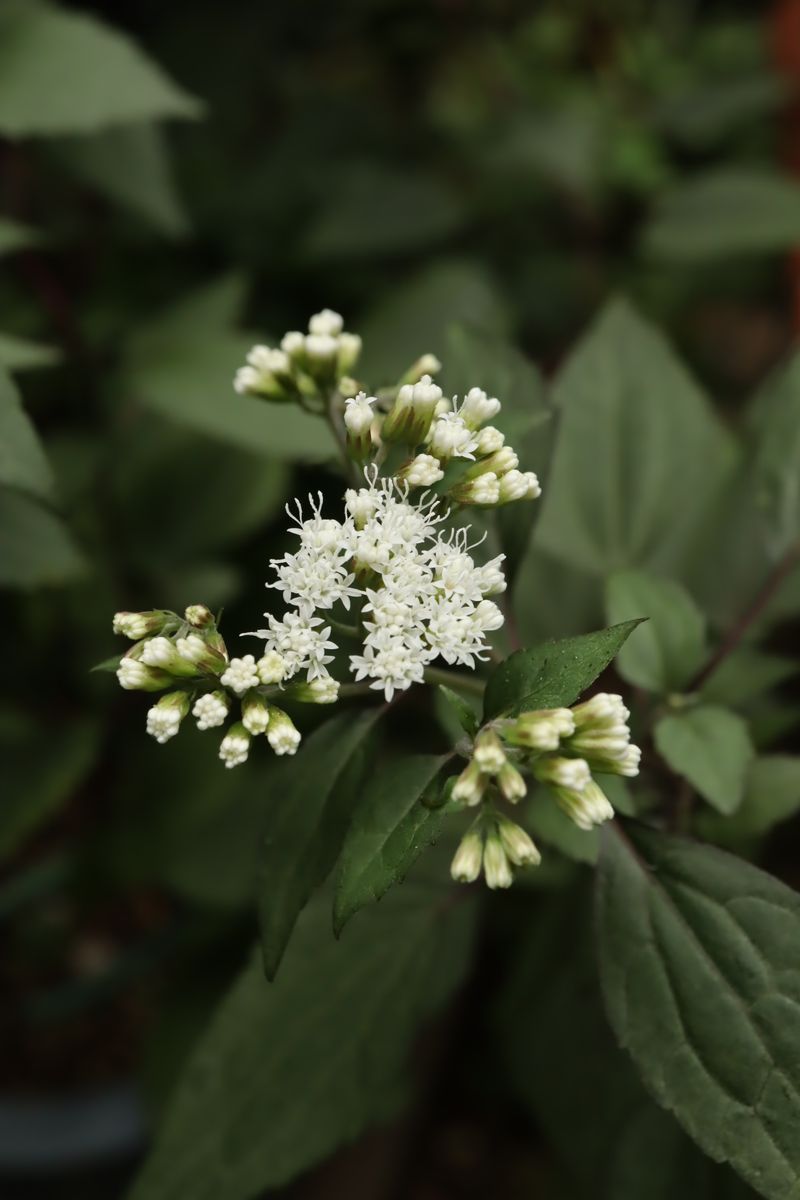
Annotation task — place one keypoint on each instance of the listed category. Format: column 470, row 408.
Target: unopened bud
column 164, row 718
column 282, row 735
column 136, row 676
column 466, row 864
column 428, row 364
column 322, row 690
column 326, row 322
column 422, row 471
column 235, row 746
column 500, row 463
column 349, row 351
column 483, row 492
column 211, row 710
column 470, row 785
column 496, row 866
column 519, row 485
column 541, row 730
column 271, row 668
column 241, row 675
column 519, row 847
column 511, row 783
column 477, row 407
column 255, row 714
column 136, row 625
column 199, row 616
column 163, row 653
column 196, row 650
column 489, row 441
column 488, row 752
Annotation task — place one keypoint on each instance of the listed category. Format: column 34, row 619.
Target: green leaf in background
column 130, row 165
column 666, row 651
column 465, row 716
column 415, row 317
column 35, row 547
column 35, row 785
column 723, row 212
column 21, row 354
column 707, row 111
column 775, row 427
column 640, row 455
column 66, row 72
column 747, row 672
column 182, row 365
column 308, row 811
column 553, row 674
column 562, row 1059
column 16, row 236
column 546, row 821
column 553, row 599
column 710, row 747
column 287, row 1072
column 771, row 795
column 694, row 946
column 379, row 210
column 22, row 459
column 390, row 828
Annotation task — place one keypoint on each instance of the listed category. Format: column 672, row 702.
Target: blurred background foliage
column 472, row 179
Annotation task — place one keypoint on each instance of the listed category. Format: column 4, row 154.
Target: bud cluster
column 304, row 364
column 559, row 747
column 189, row 656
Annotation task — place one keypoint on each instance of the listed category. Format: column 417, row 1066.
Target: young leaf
column 108, row 665
column 390, row 828
column 668, row 649
column 693, row 946
column 308, row 813
column 553, row 674
column 710, row 747
column 289, row 1071
column 627, row 402
column 66, row 72
column 464, row 714
column 22, row 460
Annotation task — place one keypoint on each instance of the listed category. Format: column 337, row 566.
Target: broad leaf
column 639, row 453
column 311, row 804
column 771, row 795
column 695, row 948
column 745, row 673
column 725, row 212
column 21, row 354
column 16, row 236
column 553, row 674
column 775, row 427
column 130, row 166
column 289, row 1071
column 710, row 747
column 667, row 650
column 66, row 72
column 390, row 828
column 22, row 460
column 35, row 546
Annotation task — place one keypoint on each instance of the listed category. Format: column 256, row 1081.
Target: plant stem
column 750, row 615
column 454, row 679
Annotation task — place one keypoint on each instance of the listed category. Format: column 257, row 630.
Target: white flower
column 470, row 785
column 496, row 867
column 302, row 642
column 158, row 652
column 519, row 485
column 293, row 344
column 477, row 408
column 136, row 625
column 518, row 846
column 393, row 662
column 281, row 733
column 492, row 581
column 466, row 864
column 255, row 714
column 541, row 730
column 164, row 718
column 484, row 490
column 321, row 348
column 241, row 675
column 349, row 351
column 313, row 579
column 451, row 437
column 422, row 471
column 210, row 710
column 488, row 752
column 511, row 783
column 489, row 441
column 272, row 668
column 602, row 735
column 327, row 322
column 361, row 504
column 198, row 615
column 235, row 746
column 136, row 676
column 358, row 414
column 269, row 361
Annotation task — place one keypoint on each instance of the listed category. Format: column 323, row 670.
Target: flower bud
column 198, row 616
column 466, row 864
column 235, row 746
column 322, row 690
column 518, row 846
column 477, row 407
column 349, row 351
column 322, row 352
column 163, row 653
column 488, row 752
column 282, row 735
column 450, row 437
column 511, row 783
column 500, row 463
column 271, row 668
column 136, row 676
column 541, row 730
column 422, row 471
column 412, row 412
column 587, row 807
column 484, row 492
column 602, row 735
column 197, row 651
column 489, row 441
column 519, row 485
column 428, row 364
column 358, row 418
column 164, row 718
column 570, row 773
column 210, row 710
column 241, row 675
column 470, row 785
column 294, row 345
column 255, row 713
column 492, row 581
column 136, row 625
column 496, row 866
column 327, row 322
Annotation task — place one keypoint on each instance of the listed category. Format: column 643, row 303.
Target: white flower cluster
column 323, row 354
column 420, row 593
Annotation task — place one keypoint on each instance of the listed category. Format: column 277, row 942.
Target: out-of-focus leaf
column 22, row 459
column 311, row 805
column 775, row 426
column 554, row 674
column 21, row 354
column 390, row 827
column 545, row 820
column 286, row 1072
column 371, row 210
column 771, row 795
column 694, row 946
column 182, row 365
column 710, row 747
column 667, row 649
column 35, row 546
column 745, row 673
column 66, row 72
column 16, row 236
column 36, row 784
column 723, row 212
column 633, row 424
column 552, row 599
column 415, row 317
column 130, row 166
column 464, row 714
column 702, row 114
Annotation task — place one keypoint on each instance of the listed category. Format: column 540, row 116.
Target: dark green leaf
column 775, row 422
column 390, row 827
column 287, row 1072
column 694, row 946
column 553, row 674
column 710, row 747
column 633, row 424
column 666, row 652
column 22, row 460
column 66, row 72
column 15, row 236
column 465, row 716
column 308, row 812
column 108, row 665
column 745, row 673
column 35, row 547
column 21, row 354
column 771, row 795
